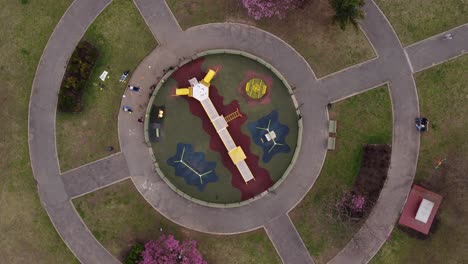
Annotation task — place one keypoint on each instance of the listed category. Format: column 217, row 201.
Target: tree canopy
column 168, row 250
column 259, row 9
column 347, row 11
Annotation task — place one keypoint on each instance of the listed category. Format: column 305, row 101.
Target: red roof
column 415, row 198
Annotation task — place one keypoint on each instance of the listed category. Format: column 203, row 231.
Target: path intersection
column 394, row 65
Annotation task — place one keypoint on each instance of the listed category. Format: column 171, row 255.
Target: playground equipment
column 233, row 115
column 270, row 135
column 440, row 162
column 200, row 91
column 255, row 88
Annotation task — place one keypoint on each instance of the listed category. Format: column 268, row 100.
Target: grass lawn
column 179, row 120
column 27, row 235
column 362, row 119
column 309, row 30
column 118, row 216
column 122, row 44
column 419, row 19
column 443, row 92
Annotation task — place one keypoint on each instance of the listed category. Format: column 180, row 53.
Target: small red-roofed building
column 420, row 209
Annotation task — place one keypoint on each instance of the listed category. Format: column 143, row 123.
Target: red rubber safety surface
column 262, row 177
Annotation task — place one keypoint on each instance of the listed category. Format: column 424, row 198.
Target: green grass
column 309, row 30
column 362, row 119
column 443, row 93
column 123, row 40
column 27, row 235
column 419, row 19
column 118, row 216
column 179, row 120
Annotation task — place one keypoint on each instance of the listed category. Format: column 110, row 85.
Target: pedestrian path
column 439, row 48
column 392, row 66
column 287, row 241
column 354, row 80
column 42, row 108
column 405, row 144
column 159, row 19
column 95, row 175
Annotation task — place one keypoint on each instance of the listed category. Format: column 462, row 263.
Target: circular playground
column 223, row 128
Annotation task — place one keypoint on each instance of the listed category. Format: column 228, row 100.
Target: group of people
column 133, row 89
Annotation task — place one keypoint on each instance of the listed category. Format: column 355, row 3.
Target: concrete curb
column 199, row 55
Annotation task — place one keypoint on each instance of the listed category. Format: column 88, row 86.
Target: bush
column 168, row 250
column 347, row 12
column 134, row 256
column 76, row 76
column 259, row 9
column 358, row 202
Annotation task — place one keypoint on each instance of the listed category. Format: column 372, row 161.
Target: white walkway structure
column 200, row 91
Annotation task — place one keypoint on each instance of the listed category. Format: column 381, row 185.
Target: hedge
column 76, row 76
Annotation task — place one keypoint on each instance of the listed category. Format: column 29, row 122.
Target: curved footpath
column 42, row 149
column 270, row 212
column 405, row 142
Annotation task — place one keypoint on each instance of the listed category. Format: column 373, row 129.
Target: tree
column 168, row 250
column 259, row 9
column 347, row 11
column 134, row 256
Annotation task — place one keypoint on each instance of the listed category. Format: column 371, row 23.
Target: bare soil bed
column 359, row 202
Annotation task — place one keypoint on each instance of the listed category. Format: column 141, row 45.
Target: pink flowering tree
column 259, row 9
column 168, row 250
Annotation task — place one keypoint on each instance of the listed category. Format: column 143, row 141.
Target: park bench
column 332, row 126
column 331, row 143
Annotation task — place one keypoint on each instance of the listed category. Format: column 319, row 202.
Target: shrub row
column 76, row 76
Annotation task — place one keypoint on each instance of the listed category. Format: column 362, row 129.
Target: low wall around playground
column 167, row 75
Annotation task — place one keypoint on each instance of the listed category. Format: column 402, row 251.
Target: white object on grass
column 103, row 75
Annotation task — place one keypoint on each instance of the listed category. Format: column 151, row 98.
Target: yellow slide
column 182, row 91
column 209, row 76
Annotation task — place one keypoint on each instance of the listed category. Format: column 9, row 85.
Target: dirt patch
column 366, row 190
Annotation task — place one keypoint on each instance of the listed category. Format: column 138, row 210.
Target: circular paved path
column 56, row 189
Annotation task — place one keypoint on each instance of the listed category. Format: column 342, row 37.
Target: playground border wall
column 167, row 75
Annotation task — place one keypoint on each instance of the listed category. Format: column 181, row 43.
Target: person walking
column 134, row 88
column 448, row 36
column 127, row 109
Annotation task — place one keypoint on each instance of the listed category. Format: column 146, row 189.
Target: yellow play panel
column 237, row 155
column 255, row 88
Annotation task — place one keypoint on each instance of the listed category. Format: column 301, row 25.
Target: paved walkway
column 43, row 104
column 95, row 175
column 270, row 212
column 159, row 19
column 437, row 49
column 287, row 241
column 353, row 80
column 271, row 206
column 405, row 143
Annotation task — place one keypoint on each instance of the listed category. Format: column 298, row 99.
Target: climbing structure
column 200, row 91
column 233, row 115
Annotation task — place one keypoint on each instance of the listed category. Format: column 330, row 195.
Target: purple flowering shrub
column 168, row 250
column 353, row 205
column 259, row 9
